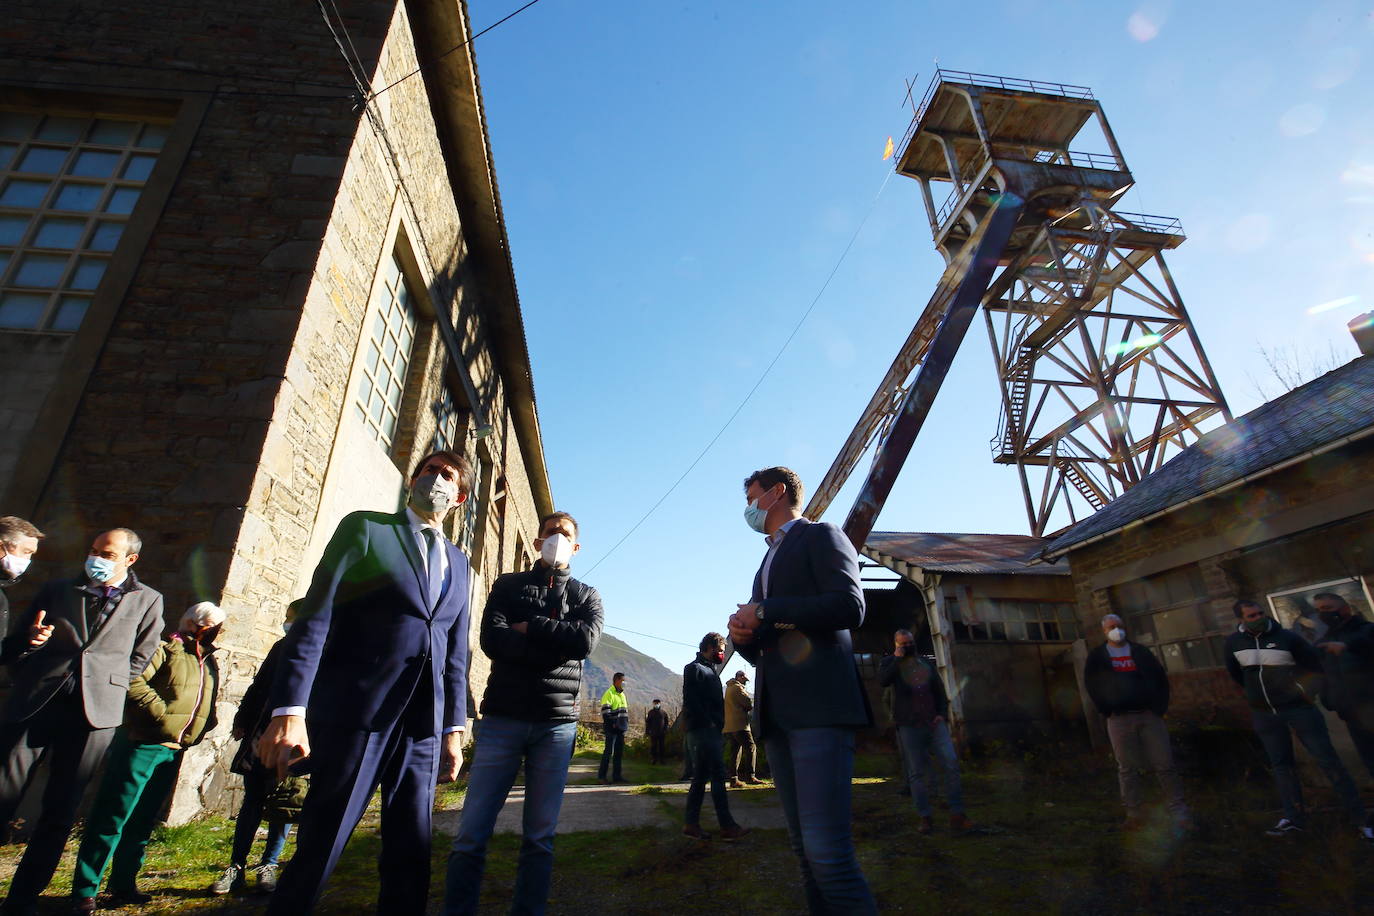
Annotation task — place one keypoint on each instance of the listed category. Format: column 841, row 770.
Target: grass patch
column 1052, row 844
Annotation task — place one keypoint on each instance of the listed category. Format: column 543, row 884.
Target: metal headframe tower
column 1103, row 377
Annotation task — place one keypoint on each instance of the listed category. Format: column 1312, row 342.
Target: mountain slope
column 645, row 678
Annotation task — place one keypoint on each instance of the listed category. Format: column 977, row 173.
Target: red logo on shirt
column 1125, row 664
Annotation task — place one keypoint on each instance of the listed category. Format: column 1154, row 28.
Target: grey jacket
column 102, row 662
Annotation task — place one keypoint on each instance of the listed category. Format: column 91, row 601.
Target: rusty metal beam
column 996, row 231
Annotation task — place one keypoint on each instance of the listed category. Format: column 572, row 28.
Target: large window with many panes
column 1170, row 612
column 67, row 187
column 386, row 355
column 1012, row 620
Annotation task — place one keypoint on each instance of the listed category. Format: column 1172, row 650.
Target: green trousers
column 138, row 779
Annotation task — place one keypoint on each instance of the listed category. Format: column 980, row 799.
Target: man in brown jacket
column 171, row 707
column 739, row 759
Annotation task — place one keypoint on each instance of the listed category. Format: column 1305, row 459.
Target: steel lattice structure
column 1102, row 375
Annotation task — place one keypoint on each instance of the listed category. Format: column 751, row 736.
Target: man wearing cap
column 171, row 707
column 73, row 655
column 739, row 759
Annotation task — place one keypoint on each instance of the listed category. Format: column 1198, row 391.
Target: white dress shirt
column 773, row 540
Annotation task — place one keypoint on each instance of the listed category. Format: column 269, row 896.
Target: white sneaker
column 267, row 878
column 1367, row 834
column 230, row 881
column 1284, row 827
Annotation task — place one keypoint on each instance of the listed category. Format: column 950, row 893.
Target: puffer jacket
column 536, row 675
column 1277, row 668
column 173, row 701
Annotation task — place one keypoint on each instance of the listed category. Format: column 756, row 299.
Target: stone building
column 999, row 627
column 253, row 265
column 1276, row 506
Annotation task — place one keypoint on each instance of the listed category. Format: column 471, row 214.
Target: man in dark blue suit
column 371, row 689
column 808, row 700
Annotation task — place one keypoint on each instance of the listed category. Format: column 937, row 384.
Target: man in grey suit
column 808, row 701
column 74, row 654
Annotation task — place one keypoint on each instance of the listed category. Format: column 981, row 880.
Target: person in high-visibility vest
column 615, row 716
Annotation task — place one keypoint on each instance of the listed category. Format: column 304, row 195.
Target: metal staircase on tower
column 1102, row 375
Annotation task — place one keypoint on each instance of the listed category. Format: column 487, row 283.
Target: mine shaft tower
column 1103, row 377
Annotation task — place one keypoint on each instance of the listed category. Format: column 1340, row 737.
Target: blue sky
column 680, row 178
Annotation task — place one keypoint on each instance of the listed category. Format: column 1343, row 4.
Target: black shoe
column 695, row 832
column 82, row 905
column 19, row 908
column 129, row 897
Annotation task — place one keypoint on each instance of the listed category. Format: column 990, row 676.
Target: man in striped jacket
column 1281, row 675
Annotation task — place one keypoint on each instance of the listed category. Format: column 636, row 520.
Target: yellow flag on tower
column 887, row 150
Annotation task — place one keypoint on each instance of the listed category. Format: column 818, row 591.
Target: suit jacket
column 102, row 662
column 803, row 650
column 366, row 636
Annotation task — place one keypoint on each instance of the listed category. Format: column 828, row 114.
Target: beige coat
column 737, row 706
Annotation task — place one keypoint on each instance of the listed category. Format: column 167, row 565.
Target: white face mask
column 14, row 566
column 557, row 550
column 1116, row 634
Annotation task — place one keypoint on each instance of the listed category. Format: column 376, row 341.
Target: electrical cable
column 767, row 369
column 649, row 636
column 460, row 45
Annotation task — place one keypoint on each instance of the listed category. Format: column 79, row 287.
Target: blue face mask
column 755, row 516
column 100, row 569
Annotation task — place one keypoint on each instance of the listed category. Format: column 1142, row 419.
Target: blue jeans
column 706, row 747
column 546, row 749
column 615, row 749
column 918, row 742
column 812, row 768
column 1310, row 726
column 250, row 816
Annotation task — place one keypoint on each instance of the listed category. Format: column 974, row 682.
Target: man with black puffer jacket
column 1128, row 686
column 537, row 628
column 1281, row 674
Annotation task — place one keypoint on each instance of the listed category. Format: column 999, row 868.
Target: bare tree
column 1288, row 366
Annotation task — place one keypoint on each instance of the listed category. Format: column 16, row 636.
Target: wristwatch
column 759, row 613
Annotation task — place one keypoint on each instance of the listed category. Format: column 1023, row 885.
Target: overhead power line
column 459, row 46
column 763, row 375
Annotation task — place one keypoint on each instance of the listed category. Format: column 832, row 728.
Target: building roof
column 1320, row 414
column 986, row 554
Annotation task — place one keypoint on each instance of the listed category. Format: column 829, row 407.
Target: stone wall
column 1302, row 525
column 213, row 413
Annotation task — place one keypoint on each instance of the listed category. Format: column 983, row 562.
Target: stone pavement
column 589, row 805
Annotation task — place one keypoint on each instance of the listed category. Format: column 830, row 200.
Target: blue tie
column 434, row 563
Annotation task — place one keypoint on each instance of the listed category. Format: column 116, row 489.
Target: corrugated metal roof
column 986, row 554
column 1325, row 410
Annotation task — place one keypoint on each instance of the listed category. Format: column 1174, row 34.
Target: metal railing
column 1165, row 225
column 1067, row 90
column 1080, row 160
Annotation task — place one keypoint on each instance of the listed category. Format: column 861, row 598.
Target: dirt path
column 589, row 805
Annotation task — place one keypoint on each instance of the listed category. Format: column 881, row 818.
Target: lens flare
column 1333, row 304
column 1143, row 342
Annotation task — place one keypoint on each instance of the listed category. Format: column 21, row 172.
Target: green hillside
column 645, row 678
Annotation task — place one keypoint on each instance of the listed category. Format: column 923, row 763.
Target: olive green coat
column 173, row 701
